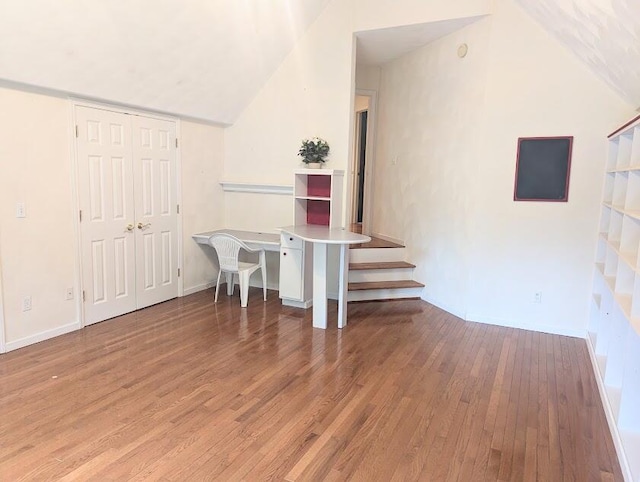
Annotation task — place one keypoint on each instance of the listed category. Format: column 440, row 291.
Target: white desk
column 266, row 241
column 321, row 236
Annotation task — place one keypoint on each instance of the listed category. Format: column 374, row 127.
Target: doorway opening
column 362, row 165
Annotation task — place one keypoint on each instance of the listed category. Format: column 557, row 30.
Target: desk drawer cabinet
column 288, row 241
column 295, row 286
column 291, row 269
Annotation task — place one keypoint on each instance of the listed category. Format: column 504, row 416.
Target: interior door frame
column 370, row 157
column 77, row 102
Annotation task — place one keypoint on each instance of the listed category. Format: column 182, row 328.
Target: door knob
column 143, row 226
column 130, row 227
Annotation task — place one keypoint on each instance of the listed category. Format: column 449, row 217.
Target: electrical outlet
column 69, row 293
column 537, row 297
column 26, row 303
column 21, row 212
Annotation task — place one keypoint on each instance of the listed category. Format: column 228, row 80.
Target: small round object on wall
column 462, row 50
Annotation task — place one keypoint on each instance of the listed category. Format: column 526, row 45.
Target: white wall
column 453, row 126
column 38, row 253
column 203, row 201
column 535, row 87
column 430, row 108
column 311, row 93
column 368, row 77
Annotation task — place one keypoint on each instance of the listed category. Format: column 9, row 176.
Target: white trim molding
column 551, row 329
column 42, row 336
column 280, row 189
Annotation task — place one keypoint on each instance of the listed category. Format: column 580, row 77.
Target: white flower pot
column 314, row 165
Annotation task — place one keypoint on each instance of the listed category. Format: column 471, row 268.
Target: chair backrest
column 227, row 247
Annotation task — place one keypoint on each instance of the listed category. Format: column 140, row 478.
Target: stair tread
column 381, row 265
column 377, row 285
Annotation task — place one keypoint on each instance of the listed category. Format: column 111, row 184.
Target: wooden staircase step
column 384, row 285
column 381, row 265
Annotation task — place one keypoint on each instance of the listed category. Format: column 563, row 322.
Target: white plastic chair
column 228, row 249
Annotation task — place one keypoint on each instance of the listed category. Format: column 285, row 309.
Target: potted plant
column 313, row 152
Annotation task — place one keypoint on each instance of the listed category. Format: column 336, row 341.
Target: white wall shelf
column 614, row 325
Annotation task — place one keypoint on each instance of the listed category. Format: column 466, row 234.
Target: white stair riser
column 384, row 294
column 372, row 255
column 394, row 274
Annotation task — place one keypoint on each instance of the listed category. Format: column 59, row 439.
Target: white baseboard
column 611, row 420
column 200, row 287
column 388, row 238
column 554, row 330
column 297, row 304
column 212, row 284
column 42, row 336
column 449, row 309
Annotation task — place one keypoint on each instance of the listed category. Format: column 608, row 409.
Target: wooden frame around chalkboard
column 538, row 157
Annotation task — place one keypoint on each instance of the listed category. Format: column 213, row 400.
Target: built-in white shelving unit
column 614, row 328
column 317, row 198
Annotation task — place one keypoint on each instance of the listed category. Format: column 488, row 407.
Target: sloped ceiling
column 605, row 34
column 204, row 59
column 376, row 47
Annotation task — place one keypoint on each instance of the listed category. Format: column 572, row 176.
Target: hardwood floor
column 191, row 390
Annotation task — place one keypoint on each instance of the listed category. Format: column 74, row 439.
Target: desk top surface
column 246, row 236
column 324, row 234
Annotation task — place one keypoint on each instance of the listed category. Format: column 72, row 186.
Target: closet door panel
column 154, row 161
column 105, row 189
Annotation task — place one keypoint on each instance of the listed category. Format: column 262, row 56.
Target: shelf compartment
column 612, row 158
column 610, row 265
column 635, row 148
column 629, row 419
column 605, row 219
column 601, row 250
column 632, row 201
column 618, row 327
column 603, row 323
column 625, row 278
column 620, row 189
column 625, row 142
column 629, row 241
column 609, row 181
column 319, row 186
column 615, row 228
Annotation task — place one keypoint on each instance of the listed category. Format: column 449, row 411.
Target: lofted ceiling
column 605, row 34
column 207, row 59
column 204, row 59
column 376, row 47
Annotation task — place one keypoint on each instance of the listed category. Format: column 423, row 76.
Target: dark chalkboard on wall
column 542, row 169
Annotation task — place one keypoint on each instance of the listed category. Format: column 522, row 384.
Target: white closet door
column 105, row 188
column 154, row 166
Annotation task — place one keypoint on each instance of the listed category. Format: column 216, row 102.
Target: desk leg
column 343, row 283
column 320, row 285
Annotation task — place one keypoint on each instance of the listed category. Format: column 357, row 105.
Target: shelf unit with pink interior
column 318, row 197
column 614, row 324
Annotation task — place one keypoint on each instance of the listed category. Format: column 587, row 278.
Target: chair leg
column 229, row 284
column 215, row 298
column 263, row 268
column 243, row 280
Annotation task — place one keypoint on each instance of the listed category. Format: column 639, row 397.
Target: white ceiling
column 198, row 58
column 207, row 59
column 376, row 47
column 605, row 34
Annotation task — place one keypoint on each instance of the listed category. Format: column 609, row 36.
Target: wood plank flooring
column 191, row 390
